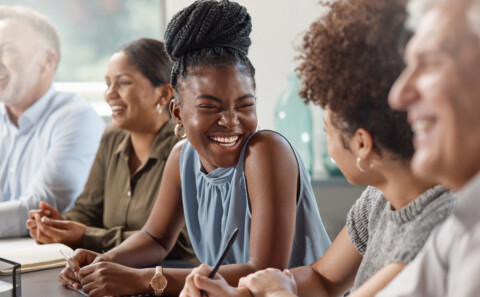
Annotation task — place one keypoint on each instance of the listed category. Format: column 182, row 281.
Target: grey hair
column 473, row 16
column 37, row 21
column 418, row 8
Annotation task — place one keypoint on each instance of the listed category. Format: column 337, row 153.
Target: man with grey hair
column 440, row 89
column 48, row 139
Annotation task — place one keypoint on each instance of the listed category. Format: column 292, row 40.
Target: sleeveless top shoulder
column 216, row 203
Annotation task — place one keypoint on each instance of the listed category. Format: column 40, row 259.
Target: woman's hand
column 35, row 219
column 198, row 280
column 66, row 232
column 112, row 279
column 70, row 274
column 270, row 282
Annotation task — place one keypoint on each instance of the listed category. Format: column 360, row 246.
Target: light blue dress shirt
column 46, row 158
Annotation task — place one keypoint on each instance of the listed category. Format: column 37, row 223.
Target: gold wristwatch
column 158, row 282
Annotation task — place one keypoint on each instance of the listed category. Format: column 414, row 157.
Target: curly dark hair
column 209, row 33
column 349, row 60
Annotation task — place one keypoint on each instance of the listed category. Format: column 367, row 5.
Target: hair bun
column 208, row 24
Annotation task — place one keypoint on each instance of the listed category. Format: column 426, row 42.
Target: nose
column 403, row 92
column 110, row 92
column 228, row 119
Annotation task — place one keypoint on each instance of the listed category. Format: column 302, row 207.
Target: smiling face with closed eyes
column 217, row 108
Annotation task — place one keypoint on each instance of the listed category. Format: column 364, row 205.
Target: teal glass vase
column 329, row 164
column 293, row 119
column 331, row 167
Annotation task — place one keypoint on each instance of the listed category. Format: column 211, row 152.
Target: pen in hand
column 67, row 257
column 223, row 255
column 64, row 255
column 73, row 286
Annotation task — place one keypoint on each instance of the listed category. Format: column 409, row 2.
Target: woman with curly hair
column 224, row 176
column 349, row 61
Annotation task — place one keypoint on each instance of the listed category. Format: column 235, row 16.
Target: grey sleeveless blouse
column 216, row 203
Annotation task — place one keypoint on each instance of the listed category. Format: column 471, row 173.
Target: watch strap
column 158, row 274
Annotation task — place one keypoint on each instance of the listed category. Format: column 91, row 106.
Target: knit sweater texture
column 383, row 235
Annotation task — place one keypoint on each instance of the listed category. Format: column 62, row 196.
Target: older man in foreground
column 440, row 89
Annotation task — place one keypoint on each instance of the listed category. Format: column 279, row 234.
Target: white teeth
column 421, row 126
column 117, row 107
column 225, row 141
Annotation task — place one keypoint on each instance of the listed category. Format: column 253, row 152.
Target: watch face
column 159, row 282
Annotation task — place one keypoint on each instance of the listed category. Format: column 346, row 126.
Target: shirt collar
column 124, row 148
column 468, row 202
column 3, row 110
column 34, row 113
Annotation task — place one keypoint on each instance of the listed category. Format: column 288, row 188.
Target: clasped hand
column 265, row 283
column 198, row 280
column 46, row 225
column 98, row 276
column 270, row 282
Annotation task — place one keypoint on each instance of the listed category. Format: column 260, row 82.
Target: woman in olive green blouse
column 127, row 171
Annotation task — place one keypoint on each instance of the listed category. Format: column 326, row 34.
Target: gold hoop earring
column 359, row 167
column 179, row 131
column 159, row 108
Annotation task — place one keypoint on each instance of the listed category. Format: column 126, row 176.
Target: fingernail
column 76, row 274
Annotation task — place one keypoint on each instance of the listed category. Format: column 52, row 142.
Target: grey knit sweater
column 383, row 235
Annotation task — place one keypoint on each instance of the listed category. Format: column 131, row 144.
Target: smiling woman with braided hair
column 224, row 176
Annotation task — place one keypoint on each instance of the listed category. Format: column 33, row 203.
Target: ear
column 49, row 61
column 164, row 94
column 362, row 143
column 175, row 111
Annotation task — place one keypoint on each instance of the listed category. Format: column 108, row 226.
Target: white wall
column 277, row 26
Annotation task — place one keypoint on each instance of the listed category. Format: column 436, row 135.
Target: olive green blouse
column 114, row 203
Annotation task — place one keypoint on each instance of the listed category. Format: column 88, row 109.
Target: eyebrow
column 120, row 75
column 219, row 100
column 123, row 74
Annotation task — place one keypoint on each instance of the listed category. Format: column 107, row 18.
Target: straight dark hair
column 149, row 56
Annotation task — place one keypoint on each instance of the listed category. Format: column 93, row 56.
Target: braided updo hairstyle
column 350, row 59
column 209, row 33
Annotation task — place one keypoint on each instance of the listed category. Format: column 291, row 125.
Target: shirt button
column 12, row 169
column 129, row 193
